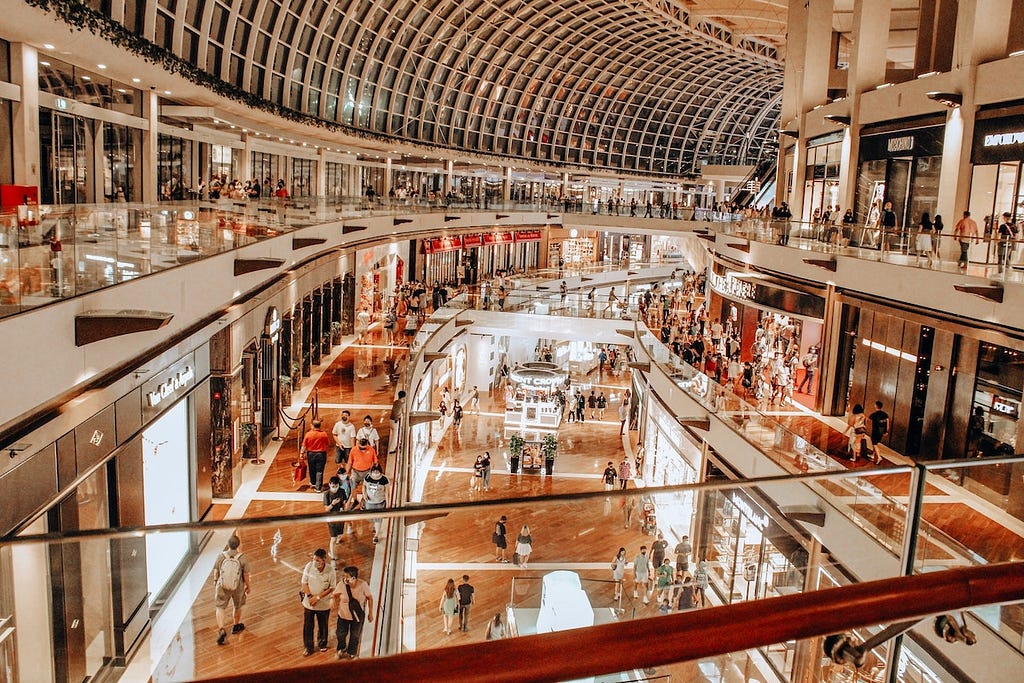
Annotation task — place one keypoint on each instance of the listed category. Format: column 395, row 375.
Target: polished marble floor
column 582, row 536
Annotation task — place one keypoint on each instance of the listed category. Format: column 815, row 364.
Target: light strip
column 889, row 350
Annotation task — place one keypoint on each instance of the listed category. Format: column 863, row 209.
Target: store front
column 995, row 408
column 996, row 180
column 899, row 164
column 742, row 302
column 379, row 270
column 821, row 184
column 443, row 260
column 148, row 466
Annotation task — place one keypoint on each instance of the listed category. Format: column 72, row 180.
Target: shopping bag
column 298, row 471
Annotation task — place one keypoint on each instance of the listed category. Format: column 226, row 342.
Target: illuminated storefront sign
column 732, row 287
column 1003, row 139
column 904, row 143
column 171, row 386
column 756, row 517
column 272, row 326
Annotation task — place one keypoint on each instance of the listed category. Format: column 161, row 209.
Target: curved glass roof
column 627, row 85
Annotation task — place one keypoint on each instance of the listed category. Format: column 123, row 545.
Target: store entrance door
column 899, row 190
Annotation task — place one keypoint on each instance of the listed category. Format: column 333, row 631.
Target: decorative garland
column 81, row 17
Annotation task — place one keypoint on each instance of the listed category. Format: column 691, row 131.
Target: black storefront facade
column 899, row 163
column 997, row 156
column 932, row 374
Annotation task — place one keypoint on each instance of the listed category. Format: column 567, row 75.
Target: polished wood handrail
column 686, row 636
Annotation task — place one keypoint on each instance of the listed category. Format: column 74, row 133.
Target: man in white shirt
column 344, row 438
column 369, row 432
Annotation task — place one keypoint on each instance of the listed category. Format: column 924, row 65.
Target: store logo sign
column 171, row 386
column 97, row 438
column 903, row 143
column 1004, row 139
column 732, row 287
column 758, row 518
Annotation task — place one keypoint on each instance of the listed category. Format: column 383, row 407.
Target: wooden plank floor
column 582, row 535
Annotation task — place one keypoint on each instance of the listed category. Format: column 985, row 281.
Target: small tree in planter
column 335, row 333
column 247, row 433
column 516, row 444
column 296, row 374
column 549, row 449
column 286, row 389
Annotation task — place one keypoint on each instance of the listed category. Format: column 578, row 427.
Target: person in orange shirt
column 360, row 460
column 314, row 451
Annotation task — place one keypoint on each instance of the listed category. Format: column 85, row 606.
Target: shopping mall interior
column 688, row 337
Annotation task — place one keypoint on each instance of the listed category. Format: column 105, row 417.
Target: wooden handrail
column 645, row 643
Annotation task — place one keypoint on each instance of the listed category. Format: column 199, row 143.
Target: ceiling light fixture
column 49, row 46
column 136, row 80
column 790, row 133
column 1017, row 53
column 101, row 66
column 950, row 99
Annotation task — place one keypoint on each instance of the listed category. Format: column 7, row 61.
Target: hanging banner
column 527, row 235
column 472, row 240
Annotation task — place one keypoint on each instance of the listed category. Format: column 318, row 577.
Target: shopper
column 879, row 420
column 495, row 628
column 354, row 603
column 664, row 580
column 397, row 407
column 231, row 575
column 700, row 581
column 524, row 545
column 619, row 571
column 683, row 550
column 375, row 495
column 466, row 598
column 335, row 502
column 486, row 472
column 965, row 231
column 625, row 473
column 448, row 606
column 658, row 550
column 498, row 538
column 361, row 460
column 476, row 481
column 344, row 436
column 369, row 432
column 641, row 574
column 314, row 452
column 609, row 476
column 318, row 583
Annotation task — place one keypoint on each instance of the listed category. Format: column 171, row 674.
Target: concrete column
column 720, row 190
column 320, row 178
column 867, row 70
column 506, row 185
column 245, row 163
column 981, row 36
column 388, row 170
column 449, row 176
column 25, row 122
column 565, row 184
column 807, row 654
column 806, row 80
column 150, row 147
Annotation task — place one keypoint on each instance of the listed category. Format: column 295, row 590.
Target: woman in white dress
column 619, row 570
column 524, row 545
column 924, row 238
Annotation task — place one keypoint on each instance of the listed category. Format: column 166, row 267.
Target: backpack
column 230, row 572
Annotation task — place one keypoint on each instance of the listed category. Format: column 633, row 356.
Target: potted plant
column 285, row 382
column 296, row 373
column 335, row 332
column 247, row 433
column 516, row 444
column 549, row 448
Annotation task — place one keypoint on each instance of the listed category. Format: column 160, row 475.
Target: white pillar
column 867, row 70
column 387, row 177
column 506, row 186
column 25, row 123
column 245, row 164
column 320, row 183
column 449, row 176
column 150, row 147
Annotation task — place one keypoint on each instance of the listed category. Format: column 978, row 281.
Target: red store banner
column 527, row 235
column 472, row 240
column 439, row 244
column 499, row 238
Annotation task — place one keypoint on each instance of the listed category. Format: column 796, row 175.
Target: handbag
column 358, row 614
column 299, row 471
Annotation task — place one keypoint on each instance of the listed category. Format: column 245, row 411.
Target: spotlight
column 950, row 99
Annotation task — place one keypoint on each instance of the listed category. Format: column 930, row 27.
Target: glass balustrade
column 743, row 547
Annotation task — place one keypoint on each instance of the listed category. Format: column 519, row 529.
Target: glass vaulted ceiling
column 612, row 84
